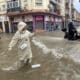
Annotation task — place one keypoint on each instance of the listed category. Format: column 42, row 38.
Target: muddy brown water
column 51, row 68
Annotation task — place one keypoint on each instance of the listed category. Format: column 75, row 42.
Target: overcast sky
column 76, row 5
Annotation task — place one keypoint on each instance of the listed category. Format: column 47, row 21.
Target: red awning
column 31, row 12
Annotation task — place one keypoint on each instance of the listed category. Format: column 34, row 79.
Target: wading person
column 22, row 40
column 71, row 31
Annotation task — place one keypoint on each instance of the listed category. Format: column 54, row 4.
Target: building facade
column 71, row 13
column 76, row 18
column 42, row 15
column 38, row 14
column 4, row 21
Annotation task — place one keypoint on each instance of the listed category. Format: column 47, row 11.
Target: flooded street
column 59, row 58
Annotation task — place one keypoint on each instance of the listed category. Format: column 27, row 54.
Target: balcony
column 13, row 6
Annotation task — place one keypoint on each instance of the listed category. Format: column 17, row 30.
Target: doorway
column 6, row 26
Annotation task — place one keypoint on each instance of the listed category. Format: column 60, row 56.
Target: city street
column 59, row 58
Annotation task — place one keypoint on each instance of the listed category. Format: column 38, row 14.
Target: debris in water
column 36, row 65
column 8, row 69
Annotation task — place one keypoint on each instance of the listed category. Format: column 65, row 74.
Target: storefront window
column 30, row 26
column 39, row 22
column 39, row 25
column 58, row 23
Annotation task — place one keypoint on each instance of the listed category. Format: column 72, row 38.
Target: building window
column 38, row 2
column 10, row 5
column 4, row 7
column 13, row 4
column 59, row 1
column 25, row 2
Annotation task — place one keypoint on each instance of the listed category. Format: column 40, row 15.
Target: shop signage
column 17, row 19
column 28, row 18
column 39, row 18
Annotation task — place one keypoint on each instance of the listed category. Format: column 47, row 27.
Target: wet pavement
column 59, row 58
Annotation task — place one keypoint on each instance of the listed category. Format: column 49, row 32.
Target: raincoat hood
column 21, row 25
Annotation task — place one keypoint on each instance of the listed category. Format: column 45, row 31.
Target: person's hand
column 10, row 49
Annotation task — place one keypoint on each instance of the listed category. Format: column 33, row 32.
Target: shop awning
column 30, row 12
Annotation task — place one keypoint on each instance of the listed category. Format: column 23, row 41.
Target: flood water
column 59, row 59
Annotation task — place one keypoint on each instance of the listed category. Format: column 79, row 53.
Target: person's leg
column 28, row 57
column 29, row 60
column 66, row 35
column 73, row 36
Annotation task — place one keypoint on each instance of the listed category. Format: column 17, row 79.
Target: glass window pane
column 11, row 5
column 39, row 24
column 38, row 2
column 16, row 4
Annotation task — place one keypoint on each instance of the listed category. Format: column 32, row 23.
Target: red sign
column 39, row 18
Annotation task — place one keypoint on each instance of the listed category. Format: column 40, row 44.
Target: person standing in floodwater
column 22, row 39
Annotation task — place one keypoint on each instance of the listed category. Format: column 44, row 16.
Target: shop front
column 49, row 23
column 4, row 25
column 38, row 21
column 29, row 21
column 58, row 23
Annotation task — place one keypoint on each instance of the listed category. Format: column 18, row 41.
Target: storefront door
column 39, row 22
column 6, row 26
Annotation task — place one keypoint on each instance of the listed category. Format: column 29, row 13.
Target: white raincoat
column 20, row 38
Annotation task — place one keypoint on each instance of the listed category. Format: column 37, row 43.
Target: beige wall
column 62, row 6
column 32, row 6
column 3, row 6
column 44, row 5
column 76, row 15
column 3, row 10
